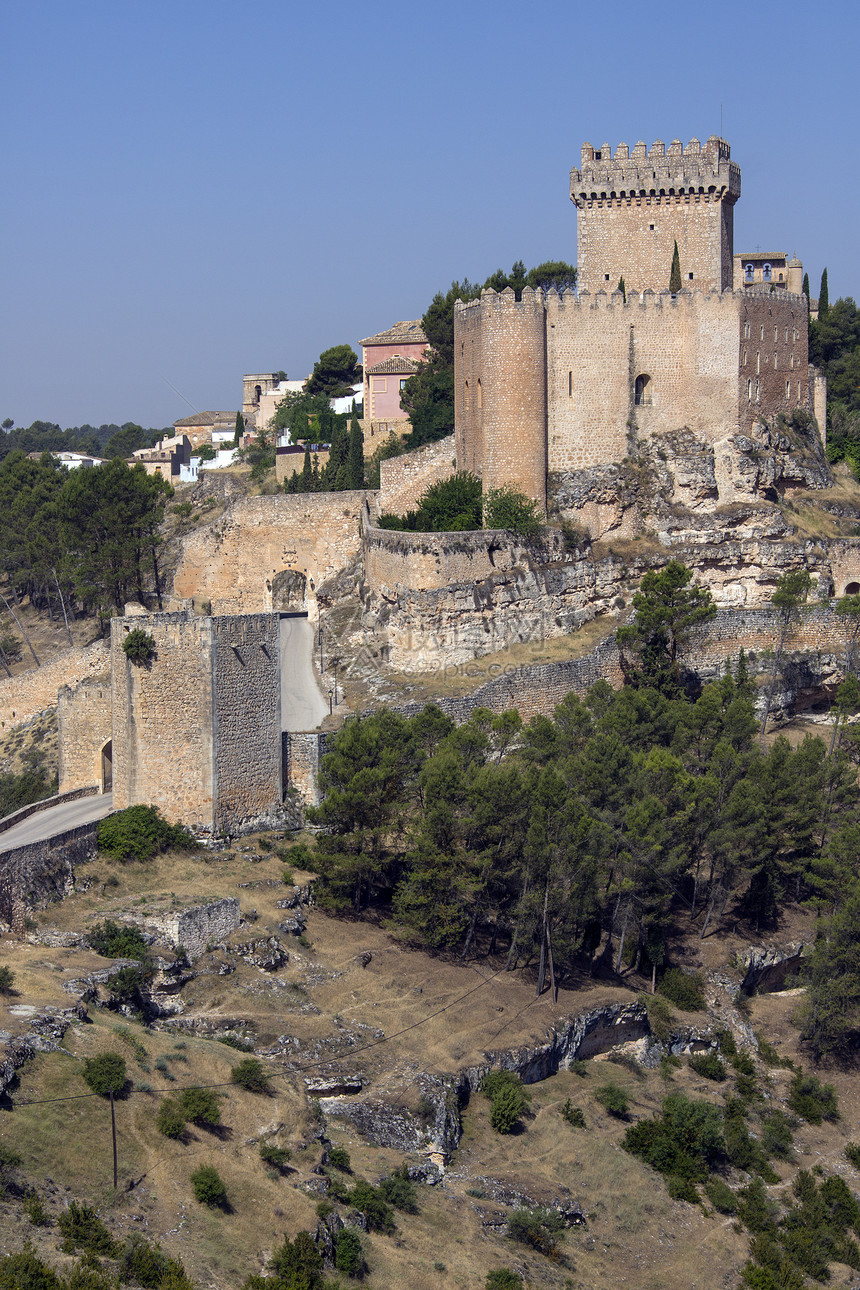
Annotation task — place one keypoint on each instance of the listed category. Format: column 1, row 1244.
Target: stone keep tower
column 633, row 207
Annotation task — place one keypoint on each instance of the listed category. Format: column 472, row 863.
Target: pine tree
column 823, row 297
column 675, row 274
column 355, row 456
column 622, row 288
column 240, row 429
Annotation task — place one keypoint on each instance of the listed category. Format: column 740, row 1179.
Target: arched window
column 479, row 395
column 749, row 390
column 467, row 401
column 749, row 273
column 643, row 391
column 766, row 273
column 852, row 589
column 258, row 393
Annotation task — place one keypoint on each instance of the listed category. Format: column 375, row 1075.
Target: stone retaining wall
column 42, row 871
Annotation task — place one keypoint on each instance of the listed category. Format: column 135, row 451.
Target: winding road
column 56, row 819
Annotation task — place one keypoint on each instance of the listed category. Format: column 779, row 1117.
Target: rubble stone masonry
column 28, row 693
column 84, row 718
column 197, row 731
column 404, row 480
column 238, row 562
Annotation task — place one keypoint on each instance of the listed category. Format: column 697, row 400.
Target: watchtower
column 633, row 207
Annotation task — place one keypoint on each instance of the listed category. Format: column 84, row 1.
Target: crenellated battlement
column 636, row 301
column 706, row 172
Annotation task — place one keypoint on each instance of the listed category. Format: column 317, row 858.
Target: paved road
column 56, row 819
column 303, row 705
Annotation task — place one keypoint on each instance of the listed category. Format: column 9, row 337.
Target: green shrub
column 503, row 1279
column 147, row 1265
column 726, row 1041
column 118, row 941
column 684, row 989
column 106, row 1074
column 277, row 1157
column 684, row 1141
column 298, row 1262
column 708, row 1065
column 812, row 1100
column 7, row 979
column 209, row 1187
column 777, row 1136
column 338, row 1158
column 170, row 1120
column 506, row 508
column 128, row 984
column 661, row 1018
column 721, row 1196
column 139, row 833
column 680, row 1188
column 348, row 1253
column 35, row 1210
column 613, row 1099
column 82, row 1229
column 251, row 1075
column 202, row 1106
column 370, row 1202
column 852, row 1154
column 139, row 647
column 573, row 1115
column 233, row 1041
column 508, row 1099
column 537, row 1228
column 399, row 1190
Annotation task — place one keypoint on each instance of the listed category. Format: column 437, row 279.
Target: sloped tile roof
column 411, row 333
column 391, row 366
column 205, row 418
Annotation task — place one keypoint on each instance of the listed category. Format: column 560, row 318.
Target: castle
column 559, row 382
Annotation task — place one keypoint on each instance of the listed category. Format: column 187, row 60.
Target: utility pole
column 113, row 1135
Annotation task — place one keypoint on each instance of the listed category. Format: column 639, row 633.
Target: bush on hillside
column 251, row 1075
column 209, row 1187
column 139, row 833
column 684, row 989
column 106, row 1074
column 118, row 941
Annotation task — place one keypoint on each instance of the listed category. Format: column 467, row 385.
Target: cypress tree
column 355, row 456
column 622, row 288
column 823, row 297
column 337, row 458
column 675, row 274
column 806, row 288
column 307, row 471
column 240, row 427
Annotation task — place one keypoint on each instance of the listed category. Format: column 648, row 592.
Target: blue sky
column 192, row 189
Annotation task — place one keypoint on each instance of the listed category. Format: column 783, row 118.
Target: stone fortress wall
column 270, row 553
column 565, row 382
column 403, row 480
column 26, row 694
column 84, row 719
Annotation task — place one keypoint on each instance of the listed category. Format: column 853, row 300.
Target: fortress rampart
column 617, row 369
column 84, row 719
column 403, row 480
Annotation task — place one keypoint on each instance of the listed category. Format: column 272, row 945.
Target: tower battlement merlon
column 706, row 171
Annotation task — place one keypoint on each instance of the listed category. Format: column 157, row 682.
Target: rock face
column 47, row 1026
column 765, row 967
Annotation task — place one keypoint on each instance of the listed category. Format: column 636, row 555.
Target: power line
column 295, row 1070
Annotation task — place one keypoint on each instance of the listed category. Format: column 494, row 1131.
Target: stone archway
column 106, row 772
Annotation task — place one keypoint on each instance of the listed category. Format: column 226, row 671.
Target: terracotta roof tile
column 393, row 365
column 411, row 333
